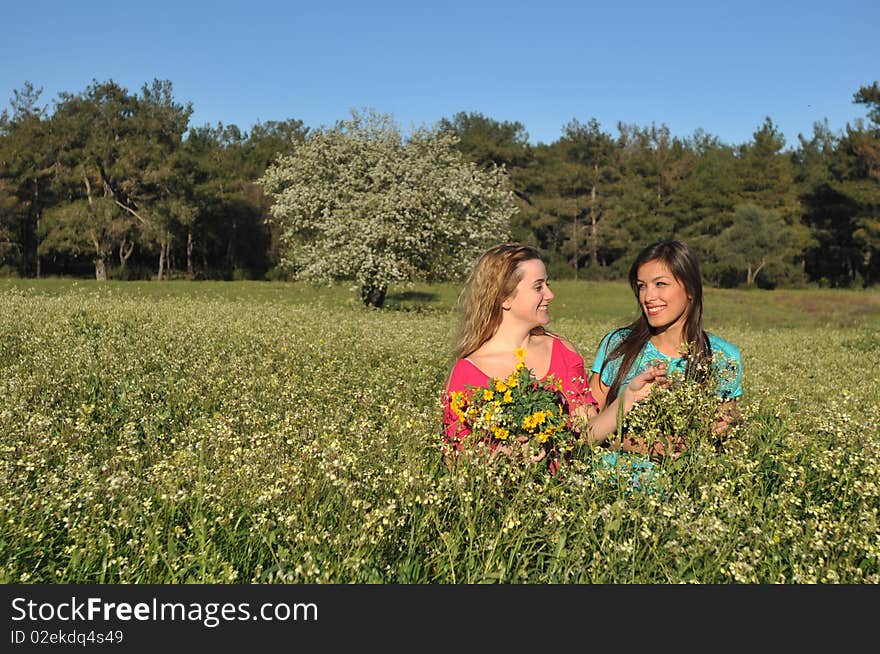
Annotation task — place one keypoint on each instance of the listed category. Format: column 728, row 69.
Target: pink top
column 565, row 364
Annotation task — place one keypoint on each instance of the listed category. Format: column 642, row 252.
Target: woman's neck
column 509, row 338
column 669, row 341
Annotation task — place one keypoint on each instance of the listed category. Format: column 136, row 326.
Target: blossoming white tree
column 360, row 202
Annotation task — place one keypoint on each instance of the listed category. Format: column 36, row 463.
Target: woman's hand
column 519, row 450
column 642, row 384
column 728, row 414
column 660, row 448
column 598, row 427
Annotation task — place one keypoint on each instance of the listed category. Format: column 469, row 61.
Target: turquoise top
column 726, row 359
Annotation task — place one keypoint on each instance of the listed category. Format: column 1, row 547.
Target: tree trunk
column 37, row 244
column 752, row 275
column 230, row 248
column 189, row 254
column 100, row 258
column 758, row 269
column 594, row 225
column 100, row 263
column 125, row 252
column 161, row 260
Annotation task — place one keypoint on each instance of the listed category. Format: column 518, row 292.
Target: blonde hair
column 493, row 279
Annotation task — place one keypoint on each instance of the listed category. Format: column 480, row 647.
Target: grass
column 608, row 302
column 280, row 433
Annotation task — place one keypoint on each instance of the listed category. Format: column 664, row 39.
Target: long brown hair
column 683, row 264
column 492, row 280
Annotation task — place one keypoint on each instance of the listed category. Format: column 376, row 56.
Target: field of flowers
column 278, row 433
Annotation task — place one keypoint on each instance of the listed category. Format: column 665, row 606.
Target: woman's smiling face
column 530, row 301
column 663, row 298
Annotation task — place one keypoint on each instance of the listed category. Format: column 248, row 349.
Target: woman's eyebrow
column 654, row 279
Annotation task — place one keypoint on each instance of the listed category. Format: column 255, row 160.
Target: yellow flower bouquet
column 518, row 411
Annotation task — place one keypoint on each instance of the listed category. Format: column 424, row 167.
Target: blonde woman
column 506, row 305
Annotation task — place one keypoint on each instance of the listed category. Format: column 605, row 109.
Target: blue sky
column 718, row 66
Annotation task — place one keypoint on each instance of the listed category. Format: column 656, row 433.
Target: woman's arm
column 598, row 389
column 600, row 426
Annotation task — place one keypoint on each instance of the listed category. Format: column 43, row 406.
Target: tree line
column 117, row 184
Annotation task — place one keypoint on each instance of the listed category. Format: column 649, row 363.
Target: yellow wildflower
column 456, row 403
column 500, row 433
column 530, row 422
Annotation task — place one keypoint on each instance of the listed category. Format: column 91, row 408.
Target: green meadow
column 263, row 432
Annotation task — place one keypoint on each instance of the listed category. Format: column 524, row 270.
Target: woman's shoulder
column 566, row 344
column 617, row 334
column 613, row 338
column 728, row 349
column 567, row 351
column 464, row 373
